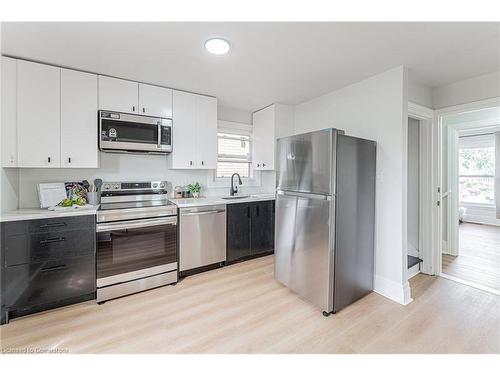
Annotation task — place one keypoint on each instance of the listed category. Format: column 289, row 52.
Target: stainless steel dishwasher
column 202, row 237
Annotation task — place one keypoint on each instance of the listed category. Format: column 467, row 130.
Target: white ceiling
column 268, row 62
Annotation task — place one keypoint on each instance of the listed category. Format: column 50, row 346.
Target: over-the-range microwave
column 123, row 132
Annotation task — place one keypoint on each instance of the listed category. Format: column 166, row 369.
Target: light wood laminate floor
column 478, row 258
column 242, row 309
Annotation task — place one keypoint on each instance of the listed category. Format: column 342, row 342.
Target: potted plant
column 195, row 189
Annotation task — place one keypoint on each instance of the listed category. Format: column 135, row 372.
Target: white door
column 78, row 120
column 9, row 122
column 118, row 95
column 184, row 130
column 38, row 115
column 206, row 134
column 155, row 101
column 263, row 139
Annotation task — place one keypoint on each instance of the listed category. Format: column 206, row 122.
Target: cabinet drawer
column 28, row 248
column 49, row 225
column 51, row 281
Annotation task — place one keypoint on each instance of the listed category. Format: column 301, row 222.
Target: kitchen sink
column 236, row 197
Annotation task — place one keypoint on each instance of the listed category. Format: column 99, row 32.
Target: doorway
column 413, row 197
column 470, row 250
column 420, row 214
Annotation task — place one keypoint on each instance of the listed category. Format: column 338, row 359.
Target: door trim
column 429, row 185
column 438, row 173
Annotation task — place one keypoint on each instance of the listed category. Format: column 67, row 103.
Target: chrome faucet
column 234, row 189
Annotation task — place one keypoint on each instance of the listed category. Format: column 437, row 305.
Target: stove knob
column 107, row 187
column 155, row 186
column 116, row 186
column 162, row 185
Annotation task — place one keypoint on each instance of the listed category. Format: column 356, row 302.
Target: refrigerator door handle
column 323, row 197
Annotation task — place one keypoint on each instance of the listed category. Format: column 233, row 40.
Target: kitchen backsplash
column 129, row 167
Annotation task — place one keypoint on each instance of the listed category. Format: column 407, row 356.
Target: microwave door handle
column 159, row 134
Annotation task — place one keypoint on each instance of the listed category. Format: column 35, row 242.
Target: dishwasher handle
column 202, row 212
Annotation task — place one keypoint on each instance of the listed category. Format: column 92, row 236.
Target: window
column 234, row 150
column 477, row 170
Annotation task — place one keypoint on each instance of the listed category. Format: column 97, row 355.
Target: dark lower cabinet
column 46, row 263
column 238, row 231
column 250, row 230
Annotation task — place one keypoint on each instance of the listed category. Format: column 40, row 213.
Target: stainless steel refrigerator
column 325, row 217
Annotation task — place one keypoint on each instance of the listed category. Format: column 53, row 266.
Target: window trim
column 242, row 129
column 475, row 141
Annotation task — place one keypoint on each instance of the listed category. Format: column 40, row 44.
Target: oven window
column 122, row 131
column 128, row 250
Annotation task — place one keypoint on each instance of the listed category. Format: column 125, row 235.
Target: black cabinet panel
column 262, row 233
column 45, row 282
column 49, row 225
column 238, row 231
column 46, row 263
column 26, row 248
column 250, row 229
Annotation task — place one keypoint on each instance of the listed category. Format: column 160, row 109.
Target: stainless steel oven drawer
column 123, row 289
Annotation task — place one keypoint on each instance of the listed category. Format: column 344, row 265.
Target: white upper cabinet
column 263, row 139
column 155, row 101
column 194, row 126
column 38, row 115
column 268, row 124
column 78, row 120
column 183, row 154
column 9, row 122
column 206, row 134
column 118, row 95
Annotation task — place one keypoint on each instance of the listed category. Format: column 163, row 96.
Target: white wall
column 469, row 90
column 376, row 109
column 419, row 93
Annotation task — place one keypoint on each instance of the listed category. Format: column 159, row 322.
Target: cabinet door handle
column 55, row 268
column 191, row 163
column 143, row 110
column 263, row 164
column 52, row 240
column 202, row 162
column 133, row 108
column 69, row 160
column 48, row 159
column 52, row 225
column 258, row 165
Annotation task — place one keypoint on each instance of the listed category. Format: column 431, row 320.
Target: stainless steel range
column 136, row 239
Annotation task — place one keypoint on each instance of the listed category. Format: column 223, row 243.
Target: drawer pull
column 55, row 268
column 53, row 225
column 52, row 240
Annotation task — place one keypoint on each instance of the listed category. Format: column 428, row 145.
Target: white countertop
column 209, row 201
column 43, row 213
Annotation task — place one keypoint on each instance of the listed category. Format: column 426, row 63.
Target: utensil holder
column 94, row 198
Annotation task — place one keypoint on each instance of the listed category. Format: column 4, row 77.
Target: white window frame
column 478, row 140
column 234, row 128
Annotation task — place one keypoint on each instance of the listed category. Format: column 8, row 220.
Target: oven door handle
column 195, row 213
column 108, row 227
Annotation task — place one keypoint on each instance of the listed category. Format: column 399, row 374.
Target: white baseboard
column 414, row 271
column 476, row 219
column 400, row 293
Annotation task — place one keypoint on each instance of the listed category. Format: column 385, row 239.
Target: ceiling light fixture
column 217, row 46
